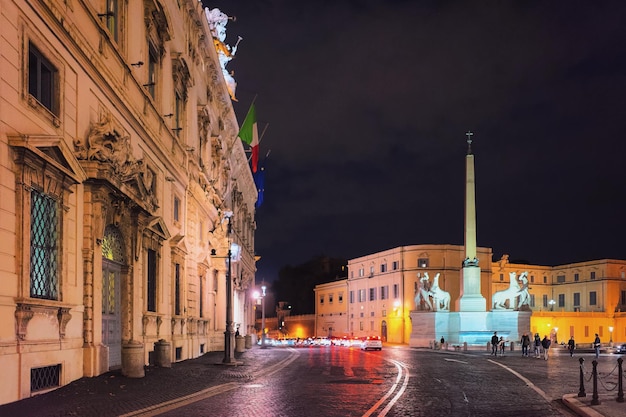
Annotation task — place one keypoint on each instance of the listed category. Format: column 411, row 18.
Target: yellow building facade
column 123, row 187
column 578, row 299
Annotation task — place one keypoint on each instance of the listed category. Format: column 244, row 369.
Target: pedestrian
column 443, row 342
column 501, row 344
column 494, row 344
column 571, row 345
column 596, row 345
column 545, row 344
column 537, row 345
column 525, row 342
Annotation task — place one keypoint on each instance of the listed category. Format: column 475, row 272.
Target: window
column 501, row 277
column 545, row 280
column 361, row 272
column 340, row 297
column 396, row 291
column 623, row 298
column 371, row 314
column 395, row 265
column 361, row 295
column 592, row 298
column 151, row 280
column 384, row 292
column 532, row 278
column 177, row 289
column 321, row 299
column 593, row 275
column 372, row 294
column 545, row 300
column 371, row 271
column 201, row 301
column 176, row 209
column 44, row 246
column 576, row 299
column 532, row 300
column 42, row 79
column 153, row 66
column 330, row 298
column 560, row 279
column 383, row 267
column 111, row 19
column 561, row 300
column 576, row 277
column 422, row 263
column 351, row 297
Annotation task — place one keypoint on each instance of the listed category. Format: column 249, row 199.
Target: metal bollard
column 594, row 373
column 620, row 391
column 581, row 390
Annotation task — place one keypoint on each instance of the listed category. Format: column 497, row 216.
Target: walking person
column 537, row 346
column 596, row 345
column 501, row 344
column 494, row 344
column 571, row 345
column 525, row 342
column 545, row 344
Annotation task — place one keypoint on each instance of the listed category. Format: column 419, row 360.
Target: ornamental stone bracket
column 24, row 312
column 64, row 317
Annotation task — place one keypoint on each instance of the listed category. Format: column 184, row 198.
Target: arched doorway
column 112, row 263
column 383, row 331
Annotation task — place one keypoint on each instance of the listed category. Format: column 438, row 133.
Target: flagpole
column 244, row 119
column 260, row 138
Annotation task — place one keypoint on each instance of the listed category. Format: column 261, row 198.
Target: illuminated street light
column 263, row 288
column 611, row 336
column 552, row 303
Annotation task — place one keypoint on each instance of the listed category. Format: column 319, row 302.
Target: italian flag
column 249, row 134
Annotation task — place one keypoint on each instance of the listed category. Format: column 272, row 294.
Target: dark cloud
column 368, row 103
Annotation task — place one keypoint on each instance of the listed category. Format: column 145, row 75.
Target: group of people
column 541, row 346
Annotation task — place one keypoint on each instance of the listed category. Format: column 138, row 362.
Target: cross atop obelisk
column 469, row 135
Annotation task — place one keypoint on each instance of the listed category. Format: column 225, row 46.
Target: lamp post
column 229, row 348
column 556, row 330
column 610, row 336
column 552, row 303
column 263, row 288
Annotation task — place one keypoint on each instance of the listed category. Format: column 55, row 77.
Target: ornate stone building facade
column 124, row 191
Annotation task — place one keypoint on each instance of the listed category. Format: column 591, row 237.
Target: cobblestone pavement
column 112, row 394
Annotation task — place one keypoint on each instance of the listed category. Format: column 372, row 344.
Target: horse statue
column 499, row 298
column 422, row 293
column 441, row 298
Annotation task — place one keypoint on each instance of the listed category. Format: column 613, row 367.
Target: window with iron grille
column 44, row 246
column 44, row 377
column 111, row 19
column 152, row 277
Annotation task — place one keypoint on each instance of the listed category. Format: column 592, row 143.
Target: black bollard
column 594, row 373
column 581, row 390
column 620, row 391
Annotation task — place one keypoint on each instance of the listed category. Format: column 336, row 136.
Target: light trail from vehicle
column 403, row 372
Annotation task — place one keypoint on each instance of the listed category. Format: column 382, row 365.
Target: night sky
column 368, row 103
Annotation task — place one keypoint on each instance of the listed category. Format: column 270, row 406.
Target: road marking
column 454, row 360
column 401, row 367
column 526, row 380
column 155, row 410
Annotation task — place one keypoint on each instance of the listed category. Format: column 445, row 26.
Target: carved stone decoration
column 23, row 314
column 182, row 326
column 144, row 324
column 441, row 298
column 173, row 325
column 106, row 143
column 159, row 321
column 217, row 24
column 64, row 317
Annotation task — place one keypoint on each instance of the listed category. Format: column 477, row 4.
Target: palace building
column 127, row 202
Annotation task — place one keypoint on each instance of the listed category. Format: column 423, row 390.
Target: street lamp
column 610, row 336
column 556, row 330
column 552, row 303
column 263, row 288
column 229, row 346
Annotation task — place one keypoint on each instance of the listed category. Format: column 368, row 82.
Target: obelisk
column 471, row 298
